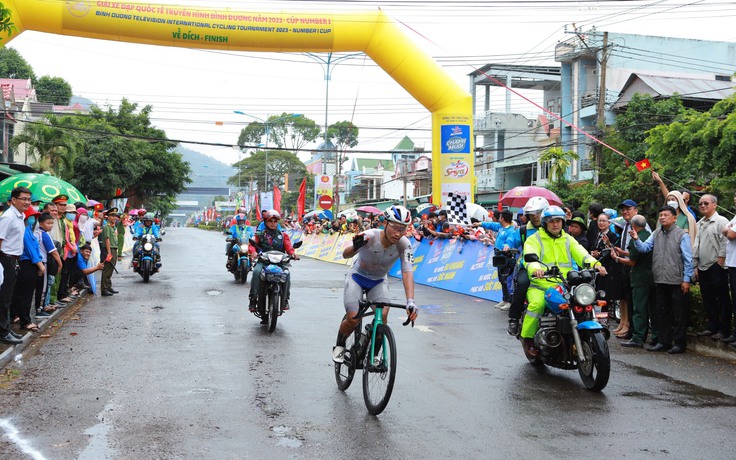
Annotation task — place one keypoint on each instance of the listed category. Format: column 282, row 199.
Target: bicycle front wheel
column 379, row 371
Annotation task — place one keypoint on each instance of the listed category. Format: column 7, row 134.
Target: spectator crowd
column 47, row 252
column 651, row 265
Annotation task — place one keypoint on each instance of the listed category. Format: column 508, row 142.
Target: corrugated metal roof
column 688, row 88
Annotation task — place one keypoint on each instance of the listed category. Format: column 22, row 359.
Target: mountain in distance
column 206, row 171
column 83, row 101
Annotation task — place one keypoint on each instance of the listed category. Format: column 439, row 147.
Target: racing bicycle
column 374, row 352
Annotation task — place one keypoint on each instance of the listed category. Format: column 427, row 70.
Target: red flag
column 257, row 206
column 500, row 205
column 302, row 199
column 277, row 199
column 643, row 164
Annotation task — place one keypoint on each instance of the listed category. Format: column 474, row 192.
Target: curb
column 13, row 351
column 709, row 347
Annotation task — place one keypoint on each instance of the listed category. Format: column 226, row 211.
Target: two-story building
column 596, row 66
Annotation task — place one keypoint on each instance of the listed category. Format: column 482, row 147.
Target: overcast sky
column 194, row 92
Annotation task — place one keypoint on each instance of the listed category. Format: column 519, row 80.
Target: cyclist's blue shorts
column 356, row 285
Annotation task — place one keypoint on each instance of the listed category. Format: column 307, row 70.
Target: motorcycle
column 238, row 260
column 147, row 260
column 274, row 280
column 570, row 335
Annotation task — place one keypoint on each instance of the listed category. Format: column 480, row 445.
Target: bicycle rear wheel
column 379, row 372
column 345, row 371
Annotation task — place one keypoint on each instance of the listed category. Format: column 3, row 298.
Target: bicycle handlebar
column 364, row 305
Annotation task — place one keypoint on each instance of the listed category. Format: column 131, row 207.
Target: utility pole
column 404, row 174
column 601, row 110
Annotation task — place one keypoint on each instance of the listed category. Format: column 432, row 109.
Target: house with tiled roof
column 17, row 96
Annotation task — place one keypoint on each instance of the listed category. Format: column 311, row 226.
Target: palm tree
column 559, row 160
column 51, row 147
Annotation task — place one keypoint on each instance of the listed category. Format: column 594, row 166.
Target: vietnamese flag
column 258, row 207
column 643, row 164
column 500, row 205
column 277, row 199
column 302, row 199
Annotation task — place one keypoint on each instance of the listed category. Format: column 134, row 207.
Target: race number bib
column 408, row 257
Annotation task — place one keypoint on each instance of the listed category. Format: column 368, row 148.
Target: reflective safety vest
column 559, row 252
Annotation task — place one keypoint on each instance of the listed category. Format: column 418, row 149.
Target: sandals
column 30, row 327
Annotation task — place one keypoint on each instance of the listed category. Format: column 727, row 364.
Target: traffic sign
column 325, row 202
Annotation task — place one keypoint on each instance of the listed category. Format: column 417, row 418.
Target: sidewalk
column 46, row 325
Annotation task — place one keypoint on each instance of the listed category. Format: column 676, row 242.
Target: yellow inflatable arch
column 373, row 33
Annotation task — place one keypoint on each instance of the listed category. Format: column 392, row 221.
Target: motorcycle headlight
column 275, row 258
column 148, row 246
column 244, row 249
column 584, row 294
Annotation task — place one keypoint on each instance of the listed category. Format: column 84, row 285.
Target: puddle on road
column 213, row 292
column 681, row 393
column 99, row 445
column 282, row 432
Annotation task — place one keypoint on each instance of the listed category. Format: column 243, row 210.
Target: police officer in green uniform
column 109, row 251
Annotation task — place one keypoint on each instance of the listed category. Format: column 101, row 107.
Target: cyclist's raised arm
column 359, row 241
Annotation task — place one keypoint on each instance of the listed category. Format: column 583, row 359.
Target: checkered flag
column 457, row 209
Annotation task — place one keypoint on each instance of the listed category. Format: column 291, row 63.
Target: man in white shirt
column 12, row 230
column 729, row 232
column 709, row 258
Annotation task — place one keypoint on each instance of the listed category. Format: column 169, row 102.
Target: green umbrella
column 42, row 186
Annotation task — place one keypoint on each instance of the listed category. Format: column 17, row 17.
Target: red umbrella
column 518, row 196
column 369, row 209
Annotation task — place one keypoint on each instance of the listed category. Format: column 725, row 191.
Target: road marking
column 13, row 435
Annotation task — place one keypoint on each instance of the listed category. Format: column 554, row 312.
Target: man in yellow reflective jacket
column 553, row 247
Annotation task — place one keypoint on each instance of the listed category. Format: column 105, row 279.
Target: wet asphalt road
column 179, row 369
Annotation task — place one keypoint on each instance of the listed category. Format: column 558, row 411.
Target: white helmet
column 535, row 205
column 398, row 214
column 271, row 213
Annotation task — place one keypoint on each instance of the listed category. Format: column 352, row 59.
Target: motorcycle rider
column 239, row 232
column 269, row 239
column 553, row 247
column 368, row 273
column 148, row 228
column 532, row 211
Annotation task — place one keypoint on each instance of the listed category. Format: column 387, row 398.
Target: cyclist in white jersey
column 377, row 252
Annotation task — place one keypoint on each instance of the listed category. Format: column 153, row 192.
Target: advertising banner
column 456, row 265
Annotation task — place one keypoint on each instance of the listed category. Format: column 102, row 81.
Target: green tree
column 560, row 162
column 121, row 149
column 6, row 22
column 13, row 65
column 343, row 134
column 49, row 143
column 617, row 176
column 279, row 163
column 288, row 130
column 698, row 150
column 53, row 89
column 293, row 131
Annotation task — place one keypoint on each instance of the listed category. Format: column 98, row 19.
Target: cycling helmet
column 552, row 212
column 240, row 218
column 270, row 214
column 535, row 205
column 398, row 214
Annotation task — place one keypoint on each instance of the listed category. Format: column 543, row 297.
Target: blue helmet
column 553, row 212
